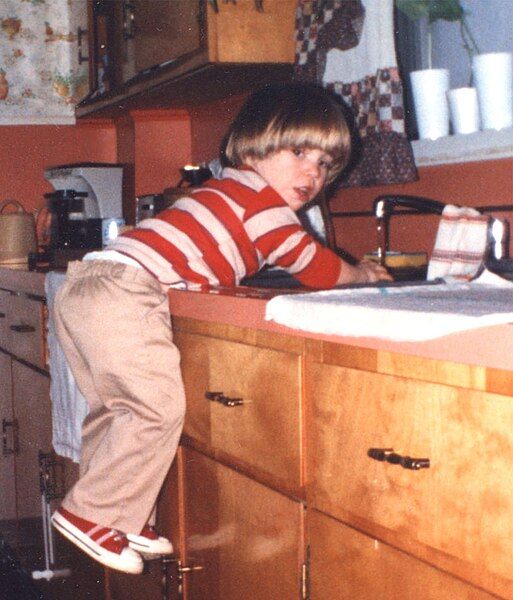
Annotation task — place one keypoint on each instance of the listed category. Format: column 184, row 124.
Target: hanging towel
column 460, row 244
column 69, row 407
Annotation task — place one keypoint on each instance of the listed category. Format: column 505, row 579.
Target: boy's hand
column 372, row 271
column 366, row 271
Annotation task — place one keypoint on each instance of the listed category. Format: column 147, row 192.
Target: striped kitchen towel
column 460, row 245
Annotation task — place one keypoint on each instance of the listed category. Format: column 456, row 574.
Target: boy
column 113, row 320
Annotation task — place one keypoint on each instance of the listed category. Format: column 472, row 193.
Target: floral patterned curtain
column 41, row 79
column 348, row 45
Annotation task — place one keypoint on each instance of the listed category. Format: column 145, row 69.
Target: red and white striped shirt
column 226, row 230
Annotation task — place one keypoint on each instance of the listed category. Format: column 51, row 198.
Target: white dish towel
column 410, row 313
column 69, row 407
column 460, row 244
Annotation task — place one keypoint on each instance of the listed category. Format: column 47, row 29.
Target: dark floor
column 19, row 558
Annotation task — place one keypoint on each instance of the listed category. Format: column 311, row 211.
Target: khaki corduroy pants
column 114, row 325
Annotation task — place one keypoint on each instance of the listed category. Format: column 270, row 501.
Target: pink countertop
column 243, row 307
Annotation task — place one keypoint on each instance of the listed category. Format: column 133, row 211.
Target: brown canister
column 17, row 233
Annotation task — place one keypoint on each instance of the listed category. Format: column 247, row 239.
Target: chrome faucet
column 385, row 206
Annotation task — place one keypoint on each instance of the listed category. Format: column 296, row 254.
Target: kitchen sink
column 279, row 279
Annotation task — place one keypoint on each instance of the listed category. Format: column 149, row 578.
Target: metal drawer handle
column 22, row 328
column 15, row 448
column 222, row 399
column 406, row 462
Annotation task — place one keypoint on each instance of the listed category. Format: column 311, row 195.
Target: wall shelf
column 479, row 146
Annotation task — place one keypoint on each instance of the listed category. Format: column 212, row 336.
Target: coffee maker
column 84, row 212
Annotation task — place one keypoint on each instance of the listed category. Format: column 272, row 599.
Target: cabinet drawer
column 25, row 325
column 347, row 565
column 264, row 430
column 461, row 506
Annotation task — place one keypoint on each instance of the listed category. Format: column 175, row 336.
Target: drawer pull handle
column 22, row 328
column 222, row 399
column 14, row 449
column 406, row 462
column 2, row 315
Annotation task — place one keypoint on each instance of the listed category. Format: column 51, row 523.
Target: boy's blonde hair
column 289, row 116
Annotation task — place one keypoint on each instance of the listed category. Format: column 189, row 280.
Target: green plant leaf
column 413, row 9
column 448, row 10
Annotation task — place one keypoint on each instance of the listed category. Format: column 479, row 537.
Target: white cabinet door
column 7, row 493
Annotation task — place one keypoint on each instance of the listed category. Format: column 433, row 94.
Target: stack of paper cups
column 464, row 110
column 493, row 77
column 429, row 88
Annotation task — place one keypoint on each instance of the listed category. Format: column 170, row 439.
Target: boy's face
column 298, row 174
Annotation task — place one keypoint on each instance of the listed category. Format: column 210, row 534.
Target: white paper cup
column 493, row 78
column 463, row 110
column 429, row 88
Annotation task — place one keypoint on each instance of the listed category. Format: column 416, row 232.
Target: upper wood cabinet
column 160, row 53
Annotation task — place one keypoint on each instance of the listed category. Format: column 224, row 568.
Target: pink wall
column 162, row 146
column 155, row 144
column 27, row 150
column 467, row 184
column 209, row 123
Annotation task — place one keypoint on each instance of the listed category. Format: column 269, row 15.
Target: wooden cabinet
column 8, row 494
column 243, row 403
column 348, row 565
column 176, row 52
column 397, row 468
column 242, row 539
column 33, row 415
column 366, row 431
column 240, row 465
column 25, row 402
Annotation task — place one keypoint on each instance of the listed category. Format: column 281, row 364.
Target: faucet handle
column 498, row 238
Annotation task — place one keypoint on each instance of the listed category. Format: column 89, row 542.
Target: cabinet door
column 264, row 431
column 239, row 33
column 7, row 493
column 245, row 537
column 347, row 565
column 457, row 513
column 164, row 30
column 32, row 409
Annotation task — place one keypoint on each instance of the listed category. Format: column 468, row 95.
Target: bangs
column 286, row 117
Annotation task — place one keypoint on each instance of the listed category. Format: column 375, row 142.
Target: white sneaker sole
column 127, row 562
column 150, row 548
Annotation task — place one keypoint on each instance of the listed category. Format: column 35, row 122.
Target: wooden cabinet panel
column 263, row 432
column 466, row 491
column 7, row 490
column 347, row 565
column 32, row 409
column 164, row 30
column 239, row 33
column 5, row 313
column 244, row 536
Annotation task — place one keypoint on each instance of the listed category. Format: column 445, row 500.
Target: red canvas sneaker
column 149, row 542
column 108, row 546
